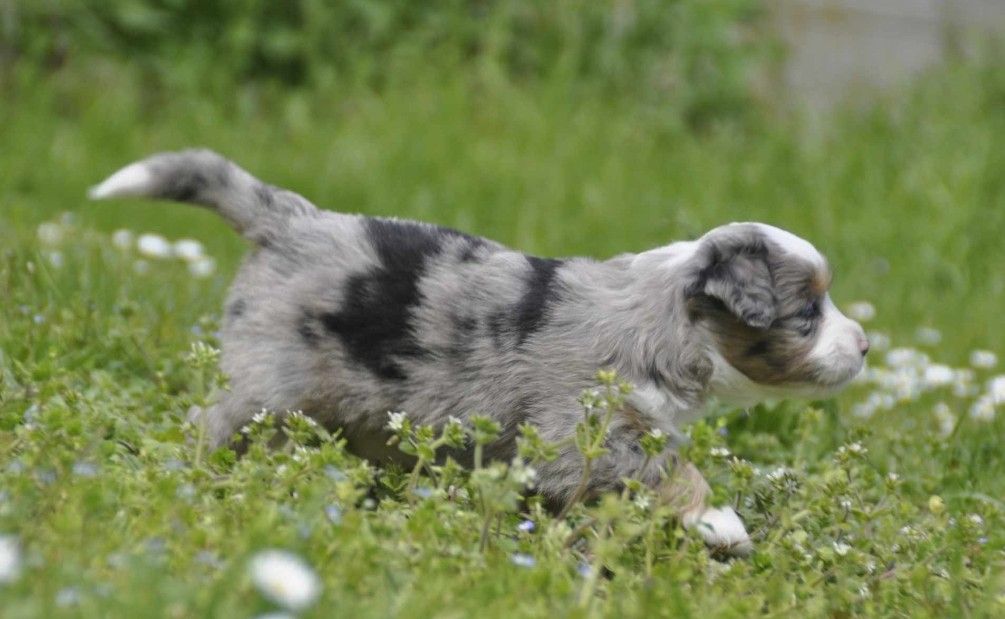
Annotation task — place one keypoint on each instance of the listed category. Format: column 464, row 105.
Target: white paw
column 722, row 530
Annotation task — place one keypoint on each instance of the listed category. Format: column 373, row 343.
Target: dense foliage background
column 692, row 55
column 560, row 128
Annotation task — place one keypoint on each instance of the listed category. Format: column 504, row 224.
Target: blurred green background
column 568, row 127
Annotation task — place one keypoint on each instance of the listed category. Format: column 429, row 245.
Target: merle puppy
column 348, row 317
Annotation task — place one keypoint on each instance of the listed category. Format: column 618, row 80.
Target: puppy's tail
column 205, row 178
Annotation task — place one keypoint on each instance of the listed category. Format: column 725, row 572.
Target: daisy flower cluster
column 51, row 235
column 147, row 246
column 897, row 375
column 156, row 247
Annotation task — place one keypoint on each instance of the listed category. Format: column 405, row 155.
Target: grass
column 116, row 513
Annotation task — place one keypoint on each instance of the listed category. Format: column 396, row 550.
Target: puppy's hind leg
column 216, row 425
column 720, row 527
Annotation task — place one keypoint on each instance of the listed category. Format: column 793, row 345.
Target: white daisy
column 938, row 375
column 50, row 233
column 395, row 421
column 10, row 559
column 862, row 311
column 878, row 341
column 983, row 359
column 285, row 579
column 947, row 421
column 928, row 336
column 202, row 267
column 123, row 239
column 188, row 250
column 906, row 357
column 983, row 409
column 154, row 246
column 856, row 448
column 522, row 474
column 996, row 389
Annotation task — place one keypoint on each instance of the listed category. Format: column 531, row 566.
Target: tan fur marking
column 685, row 490
column 634, row 419
column 821, row 281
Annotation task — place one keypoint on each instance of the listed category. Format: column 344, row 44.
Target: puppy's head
column 760, row 293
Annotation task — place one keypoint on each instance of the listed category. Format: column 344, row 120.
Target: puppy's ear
column 732, row 267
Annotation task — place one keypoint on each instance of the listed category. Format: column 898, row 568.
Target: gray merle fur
column 353, row 317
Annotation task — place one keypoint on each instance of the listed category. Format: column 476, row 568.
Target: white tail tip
column 133, row 180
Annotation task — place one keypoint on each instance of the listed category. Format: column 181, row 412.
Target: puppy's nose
column 863, row 344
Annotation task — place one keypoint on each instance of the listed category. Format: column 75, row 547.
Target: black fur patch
column 307, row 329
column 470, row 252
column 237, row 308
column 264, row 193
column 497, row 328
column 465, row 325
column 374, row 322
column 186, row 187
column 526, row 316
column 530, row 310
column 761, row 347
column 464, row 328
column 655, row 375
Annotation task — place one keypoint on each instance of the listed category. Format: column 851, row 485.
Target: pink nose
column 863, row 344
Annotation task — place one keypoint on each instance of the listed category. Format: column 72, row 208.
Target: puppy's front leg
column 720, row 527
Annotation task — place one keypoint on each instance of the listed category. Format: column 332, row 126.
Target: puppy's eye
column 810, row 310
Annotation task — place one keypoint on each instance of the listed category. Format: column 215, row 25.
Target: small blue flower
column 31, row 414
column 185, row 491
column 522, row 559
column 526, row 526
column 68, row 596
column 174, row 464
column 208, row 557
column 334, row 514
column 334, row 473
column 156, row 545
column 424, row 492
column 584, row 570
column 85, row 469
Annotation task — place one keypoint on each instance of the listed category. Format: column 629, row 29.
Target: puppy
column 348, row 317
